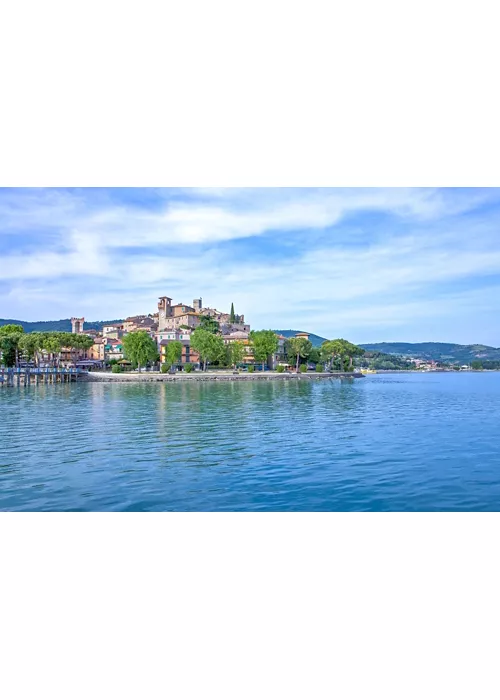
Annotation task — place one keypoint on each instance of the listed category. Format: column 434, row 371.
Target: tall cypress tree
column 231, row 315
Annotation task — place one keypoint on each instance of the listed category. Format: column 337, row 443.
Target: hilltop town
column 172, row 323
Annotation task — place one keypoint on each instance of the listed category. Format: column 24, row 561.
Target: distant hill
column 316, row 340
column 441, row 352
column 62, row 325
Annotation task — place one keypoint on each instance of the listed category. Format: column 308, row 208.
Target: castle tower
column 197, row 304
column 77, row 325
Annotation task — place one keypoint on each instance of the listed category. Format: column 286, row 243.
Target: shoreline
column 216, row 376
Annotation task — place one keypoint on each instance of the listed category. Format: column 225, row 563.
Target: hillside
column 316, row 340
column 62, row 325
column 441, row 352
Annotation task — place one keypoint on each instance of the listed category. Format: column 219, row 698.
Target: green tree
column 29, row 346
column 340, row 353
column 265, row 344
column 235, row 353
column 10, row 328
column 10, row 337
column 174, row 352
column 207, row 323
column 209, row 347
column 140, row 348
column 297, row 348
column 231, row 315
column 314, row 356
column 476, row 364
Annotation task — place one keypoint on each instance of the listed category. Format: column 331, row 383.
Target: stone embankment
column 216, row 376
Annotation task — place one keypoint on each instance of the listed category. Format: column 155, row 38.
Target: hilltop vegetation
column 63, row 326
column 440, row 352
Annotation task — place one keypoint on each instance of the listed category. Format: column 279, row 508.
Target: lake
column 394, row 442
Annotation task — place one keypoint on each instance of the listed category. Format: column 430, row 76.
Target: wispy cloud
column 333, row 261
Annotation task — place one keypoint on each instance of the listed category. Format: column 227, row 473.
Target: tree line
column 16, row 345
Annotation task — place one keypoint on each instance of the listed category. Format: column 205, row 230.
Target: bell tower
column 164, row 311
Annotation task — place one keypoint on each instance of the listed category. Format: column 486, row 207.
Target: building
column 184, row 337
column 97, row 351
column 140, row 323
column 113, row 349
column 113, row 330
column 244, row 338
column 279, row 357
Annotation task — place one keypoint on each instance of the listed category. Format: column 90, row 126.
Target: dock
column 26, row 376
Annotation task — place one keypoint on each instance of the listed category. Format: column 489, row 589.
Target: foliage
column 378, row 360
column 139, row 348
column 113, row 361
column 251, row 368
column 297, row 348
column 319, row 367
column 62, row 326
column 316, row 340
column 207, row 323
column 303, row 368
column 174, row 352
column 32, row 346
column 280, row 368
column 265, row 344
column 11, row 328
column 314, row 356
column 476, row 365
column 231, row 315
column 164, row 368
column 188, row 367
column 235, row 352
column 209, row 347
column 451, row 353
column 116, row 369
column 340, row 353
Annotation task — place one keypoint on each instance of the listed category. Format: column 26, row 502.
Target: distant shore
column 216, row 376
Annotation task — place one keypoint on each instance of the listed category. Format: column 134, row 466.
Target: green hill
column 440, row 352
column 62, row 325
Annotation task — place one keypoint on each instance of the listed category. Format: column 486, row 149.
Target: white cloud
column 381, row 283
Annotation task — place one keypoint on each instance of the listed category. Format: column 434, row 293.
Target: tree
column 10, row 328
column 476, row 364
column 209, row 347
column 140, row 348
column 314, row 356
column 10, row 336
column 235, row 353
column 207, row 323
column 297, row 348
column 174, row 352
column 265, row 344
column 340, row 352
column 231, row 315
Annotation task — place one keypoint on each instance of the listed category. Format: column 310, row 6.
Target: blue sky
column 366, row 264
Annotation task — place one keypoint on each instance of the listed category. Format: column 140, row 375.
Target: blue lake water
column 407, row 442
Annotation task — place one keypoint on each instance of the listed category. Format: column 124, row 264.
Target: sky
column 366, row 264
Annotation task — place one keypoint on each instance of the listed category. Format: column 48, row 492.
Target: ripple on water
column 411, row 442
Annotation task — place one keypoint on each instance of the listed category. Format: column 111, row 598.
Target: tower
column 197, row 304
column 164, row 311
column 77, row 325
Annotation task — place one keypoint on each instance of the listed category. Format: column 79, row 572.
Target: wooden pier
column 27, row 376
